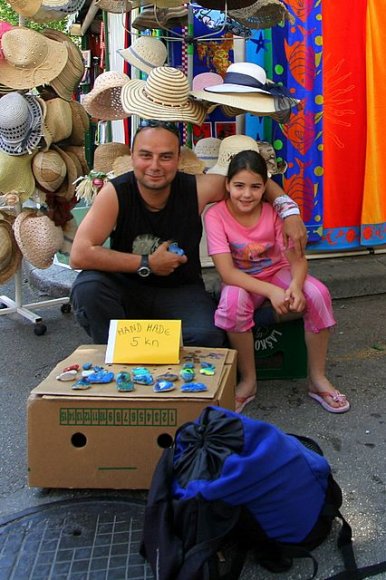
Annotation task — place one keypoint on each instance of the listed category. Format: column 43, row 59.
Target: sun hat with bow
column 21, row 123
column 163, row 96
column 30, row 58
column 16, row 175
column 104, row 100
column 10, row 254
column 69, row 78
column 145, row 53
column 228, row 149
column 207, row 149
column 246, row 77
column 38, row 238
column 262, row 14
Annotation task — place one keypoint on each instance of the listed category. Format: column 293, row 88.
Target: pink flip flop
column 243, row 402
column 336, row 396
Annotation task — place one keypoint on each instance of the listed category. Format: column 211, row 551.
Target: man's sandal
column 335, row 396
column 242, row 402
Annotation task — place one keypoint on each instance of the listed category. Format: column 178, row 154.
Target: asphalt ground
column 354, row 443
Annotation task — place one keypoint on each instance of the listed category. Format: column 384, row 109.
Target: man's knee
column 210, row 337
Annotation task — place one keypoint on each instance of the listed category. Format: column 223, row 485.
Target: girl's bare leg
column 243, row 343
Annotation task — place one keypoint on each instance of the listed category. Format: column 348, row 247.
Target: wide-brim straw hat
column 80, row 123
column 229, row 147
column 163, row 96
column 262, row 14
column 154, row 17
column 10, row 254
column 80, row 153
column 56, row 10
column 67, row 188
column 106, row 153
column 30, row 59
column 38, row 238
column 114, row 6
column 49, row 170
column 21, row 123
column 69, row 78
column 58, row 120
column 122, row 164
column 104, row 100
column 145, row 53
column 16, row 175
column 207, row 149
column 26, row 8
column 189, row 162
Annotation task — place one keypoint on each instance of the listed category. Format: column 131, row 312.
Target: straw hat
column 114, row 6
column 4, row 27
column 30, row 59
column 262, row 14
column 80, row 123
column 55, row 10
column 274, row 166
column 26, row 8
column 21, row 120
column 228, row 149
column 67, row 188
column 10, row 255
column 58, row 119
column 207, row 149
column 163, row 96
column 16, row 175
column 69, row 78
column 122, row 164
column 79, row 152
column 146, row 53
column 189, row 162
column 104, row 100
column 153, row 18
column 38, row 238
column 105, row 155
column 49, row 169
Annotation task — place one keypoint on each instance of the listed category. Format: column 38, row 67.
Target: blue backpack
column 231, row 484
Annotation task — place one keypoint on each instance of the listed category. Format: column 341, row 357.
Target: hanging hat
column 122, row 164
column 58, row 119
column 21, row 123
column 30, row 59
column 67, row 188
column 274, row 166
column 104, row 100
column 207, row 149
column 247, row 88
column 105, row 155
column 224, row 5
column 49, row 169
column 206, row 79
column 80, row 123
column 154, row 18
column 163, row 96
column 16, row 175
column 145, row 53
column 56, row 10
column 262, row 14
column 26, row 8
column 10, row 255
column 79, row 152
column 38, row 238
column 228, row 149
column 4, row 27
column 189, row 162
column 67, row 81
column 114, row 6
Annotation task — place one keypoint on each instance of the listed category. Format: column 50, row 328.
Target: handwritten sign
column 144, row 341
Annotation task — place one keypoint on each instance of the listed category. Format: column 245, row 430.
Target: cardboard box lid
column 96, row 355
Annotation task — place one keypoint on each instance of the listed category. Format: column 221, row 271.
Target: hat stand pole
column 16, row 306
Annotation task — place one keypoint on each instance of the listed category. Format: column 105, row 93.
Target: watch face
column 143, row 271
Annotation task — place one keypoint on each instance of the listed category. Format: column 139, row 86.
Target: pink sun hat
column 206, row 79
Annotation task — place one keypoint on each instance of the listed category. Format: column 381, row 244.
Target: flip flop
column 336, row 396
column 243, row 402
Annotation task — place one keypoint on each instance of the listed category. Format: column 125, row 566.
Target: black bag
column 201, row 539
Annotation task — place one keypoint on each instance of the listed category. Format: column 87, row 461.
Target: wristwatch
column 144, row 268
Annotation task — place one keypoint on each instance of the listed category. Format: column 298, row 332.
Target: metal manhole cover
column 77, row 540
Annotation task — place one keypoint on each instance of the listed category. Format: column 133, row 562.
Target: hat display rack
column 30, row 158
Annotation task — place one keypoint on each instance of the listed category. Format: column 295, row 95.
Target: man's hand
column 295, row 230
column 163, row 263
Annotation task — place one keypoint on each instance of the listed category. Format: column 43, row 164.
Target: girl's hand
column 278, row 299
column 295, row 298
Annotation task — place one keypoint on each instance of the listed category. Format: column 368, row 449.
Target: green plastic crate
column 280, row 351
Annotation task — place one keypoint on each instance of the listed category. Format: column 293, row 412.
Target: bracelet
column 285, row 206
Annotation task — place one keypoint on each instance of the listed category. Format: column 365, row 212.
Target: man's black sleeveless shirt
column 178, row 221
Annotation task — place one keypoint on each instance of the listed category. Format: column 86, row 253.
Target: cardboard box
column 103, row 438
